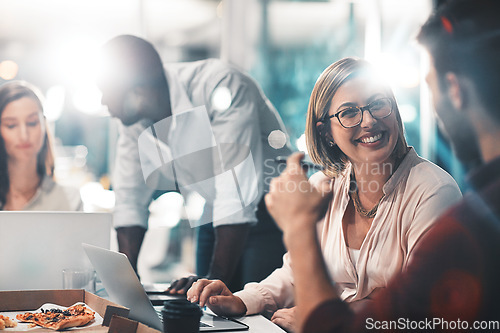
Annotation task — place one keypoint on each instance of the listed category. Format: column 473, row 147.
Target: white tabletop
column 256, row 324
column 260, row 324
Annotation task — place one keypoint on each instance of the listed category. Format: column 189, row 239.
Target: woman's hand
column 215, row 295
column 286, row 319
column 292, row 201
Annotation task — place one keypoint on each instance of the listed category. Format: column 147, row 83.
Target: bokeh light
column 87, row 99
column 8, row 69
column 301, row 143
column 54, row 102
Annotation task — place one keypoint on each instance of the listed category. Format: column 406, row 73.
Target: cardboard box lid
column 125, row 325
column 27, row 300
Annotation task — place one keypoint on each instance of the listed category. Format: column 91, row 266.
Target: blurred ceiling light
column 301, row 143
column 409, row 77
column 397, row 73
column 87, row 99
column 8, row 69
column 221, row 99
column 77, row 59
column 54, row 103
column 277, row 139
column 408, row 113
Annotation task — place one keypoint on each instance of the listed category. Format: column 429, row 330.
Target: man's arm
column 312, row 284
column 296, row 209
column 132, row 195
column 228, row 247
column 130, row 241
column 229, row 244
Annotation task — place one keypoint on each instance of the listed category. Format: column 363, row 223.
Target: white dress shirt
column 416, row 194
column 250, row 122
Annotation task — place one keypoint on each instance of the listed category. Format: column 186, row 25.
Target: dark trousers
column 263, row 252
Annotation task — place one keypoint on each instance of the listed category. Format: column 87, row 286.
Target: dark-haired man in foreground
column 451, row 282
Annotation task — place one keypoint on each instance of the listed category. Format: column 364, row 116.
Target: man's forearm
column 130, row 241
column 229, row 244
column 313, row 285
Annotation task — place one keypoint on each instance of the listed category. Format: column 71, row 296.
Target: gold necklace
column 359, row 207
column 355, row 195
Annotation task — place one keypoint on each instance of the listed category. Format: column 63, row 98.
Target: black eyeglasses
column 353, row 116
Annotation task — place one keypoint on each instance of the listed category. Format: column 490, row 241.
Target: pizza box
column 112, row 314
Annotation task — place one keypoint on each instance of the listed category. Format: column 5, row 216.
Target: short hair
column 463, row 36
column 131, row 61
column 332, row 158
column 10, row 92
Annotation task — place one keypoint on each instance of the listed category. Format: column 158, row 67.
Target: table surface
column 260, row 324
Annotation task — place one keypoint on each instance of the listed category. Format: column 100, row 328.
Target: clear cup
column 79, row 278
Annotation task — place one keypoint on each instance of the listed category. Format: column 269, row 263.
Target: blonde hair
column 332, row 158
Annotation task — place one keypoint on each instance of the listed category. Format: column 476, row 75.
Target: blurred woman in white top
column 384, row 196
column 26, row 157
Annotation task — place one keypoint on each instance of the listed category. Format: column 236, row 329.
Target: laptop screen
column 38, row 245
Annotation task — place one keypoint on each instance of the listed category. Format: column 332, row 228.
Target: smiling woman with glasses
column 350, row 112
column 384, row 197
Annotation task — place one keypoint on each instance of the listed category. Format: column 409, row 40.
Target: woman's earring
column 331, row 143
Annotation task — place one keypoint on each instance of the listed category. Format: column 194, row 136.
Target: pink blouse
column 415, row 195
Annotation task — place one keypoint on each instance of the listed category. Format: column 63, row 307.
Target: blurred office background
column 284, row 45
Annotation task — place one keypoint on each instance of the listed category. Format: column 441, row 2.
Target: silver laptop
column 36, row 246
column 124, row 288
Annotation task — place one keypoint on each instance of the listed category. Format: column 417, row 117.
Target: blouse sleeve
column 430, row 207
column 272, row 293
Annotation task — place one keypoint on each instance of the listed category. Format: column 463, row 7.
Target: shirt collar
column 401, row 172
column 485, row 174
column 46, row 186
column 179, row 100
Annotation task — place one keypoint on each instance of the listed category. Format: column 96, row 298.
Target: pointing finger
column 293, row 165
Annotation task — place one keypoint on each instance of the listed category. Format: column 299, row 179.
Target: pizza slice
column 56, row 319
column 6, row 322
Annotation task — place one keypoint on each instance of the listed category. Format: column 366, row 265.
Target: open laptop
column 124, row 288
column 36, row 246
